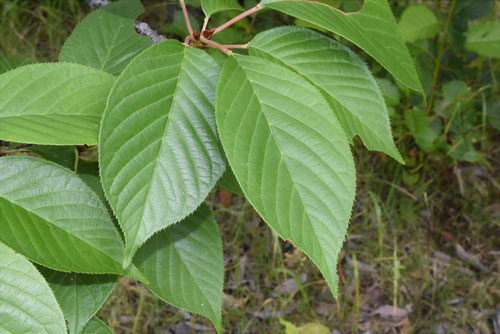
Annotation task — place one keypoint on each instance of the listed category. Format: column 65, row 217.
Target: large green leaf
column 185, row 266
column 79, row 295
column 210, row 7
column 289, row 154
column 373, row 29
column 49, row 215
column 106, row 38
column 342, row 76
column 96, row 326
column 27, row 305
column 159, row 151
column 484, row 38
column 53, row 103
column 418, row 22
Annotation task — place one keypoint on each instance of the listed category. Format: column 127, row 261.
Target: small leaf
column 373, row 29
column 10, row 63
column 390, row 91
column 473, row 9
column 418, row 123
column 341, row 75
column 106, row 38
column 289, row 154
column 484, row 38
column 27, row 305
column 185, row 267
column 418, row 22
column 159, row 151
column 53, row 103
column 178, row 25
column 228, row 181
column 49, row 215
column 79, row 295
column 210, row 7
column 96, row 326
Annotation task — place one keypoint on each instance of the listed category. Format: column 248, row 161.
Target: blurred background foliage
column 422, row 253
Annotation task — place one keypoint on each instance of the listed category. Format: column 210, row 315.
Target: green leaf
column 106, row 38
column 289, row 154
column 159, row 151
column 49, row 215
column 10, row 63
column 484, row 38
column 373, row 29
column 418, row 123
column 96, row 326
column 309, row 328
column 185, row 266
column 27, row 305
column 79, row 295
column 418, row 22
column 62, row 155
column 210, row 7
column 228, row 181
column 178, row 25
column 390, row 91
column 342, row 77
column 53, row 103
column 473, row 9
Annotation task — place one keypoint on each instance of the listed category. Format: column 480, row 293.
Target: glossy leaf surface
column 52, row 217
column 373, row 29
column 289, row 154
column 106, row 38
column 27, row 305
column 341, row 75
column 53, row 103
column 185, row 267
column 159, row 152
column 79, row 295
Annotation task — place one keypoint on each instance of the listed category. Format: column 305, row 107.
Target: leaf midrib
column 286, row 165
column 161, row 145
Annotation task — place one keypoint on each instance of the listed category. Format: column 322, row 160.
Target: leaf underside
column 106, row 38
column 185, row 266
column 373, row 29
column 96, row 326
column 159, row 151
column 53, row 103
column 343, row 78
column 79, row 295
column 289, row 154
column 49, row 215
column 27, row 305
